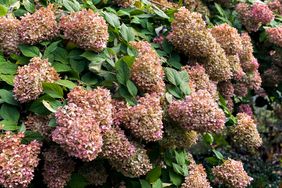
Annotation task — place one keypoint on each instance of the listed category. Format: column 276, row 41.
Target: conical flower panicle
column 147, row 71
column 29, row 79
column 232, row 174
column 9, row 36
column 86, row 29
column 17, row 161
column 57, row 168
column 39, row 26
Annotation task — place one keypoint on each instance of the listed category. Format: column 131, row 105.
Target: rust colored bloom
column 9, row 37
column 147, row 71
column 86, row 29
column 226, row 89
column 197, row 6
column 17, row 161
column 190, row 36
column 198, row 112
column 57, row 169
column 275, row 6
column 29, row 79
column 275, row 35
column 236, row 68
column 200, row 80
column 39, row 26
column 124, row 3
column 228, row 38
column 116, row 146
column 98, row 101
column 245, row 133
column 136, row 165
column 145, row 119
column 39, row 124
column 246, row 108
column 197, row 177
column 232, row 174
column 78, row 132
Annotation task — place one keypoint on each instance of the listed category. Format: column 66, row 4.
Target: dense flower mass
column 136, row 165
column 177, row 137
column 197, row 6
column 275, row 6
column 98, row 101
column 38, row 124
column 275, row 35
column 246, row 108
column 147, row 71
column 39, row 26
column 124, row 3
column 232, row 174
column 197, row 177
column 78, row 132
column 57, row 169
column 145, row 119
column 116, row 146
column 17, row 161
column 236, row 68
column 253, row 16
column 190, row 36
column 226, row 89
column 200, row 80
column 228, row 38
column 29, row 79
column 86, row 29
column 245, row 133
column 198, row 112
column 9, row 37
column 247, row 59
column 94, row 172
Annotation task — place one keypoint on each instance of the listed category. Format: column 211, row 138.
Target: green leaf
column 122, row 72
column 48, row 106
column 157, row 184
column 29, row 6
column 9, row 113
column 208, row 138
column 177, row 168
column 77, row 181
column 30, row 136
column 170, row 75
column 112, row 19
column 3, row 10
column 52, row 122
column 53, row 90
column 7, row 97
column 174, row 61
column 29, row 51
column 7, row 67
column 71, row 5
column 175, row 91
column 66, row 83
column 50, row 49
column 154, row 174
column 9, row 79
column 89, row 79
column 218, row 154
column 95, row 67
column 9, row 125
column 160, row 13
column 144, row 184
column 61, row 67
column 180, row 158
column 127, row 33
column 131, row 88
column 184, row 87
column 175, row 178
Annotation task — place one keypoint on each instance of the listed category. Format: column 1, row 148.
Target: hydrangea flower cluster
column 116, row 146
column 58, row 168
column 245, row 133
column 29, row 79
column 197, row 6
column 275, row 35
column 145, row 119
column 275, row 6
column 177, row 137
column 232, row 174
column 9, row 37
column 134, row 166
column 81, row 121
column 39, row 26
column 246, row 108
column 226, row 89
column 17, row 161
column 198, row 112
column 124, row 3
column 190, row 36
column 197, row 177
column 86, row 29
column 39, row 124
column 200, row 80
column 94, row 172
column 253, row 16
column 147, row 71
